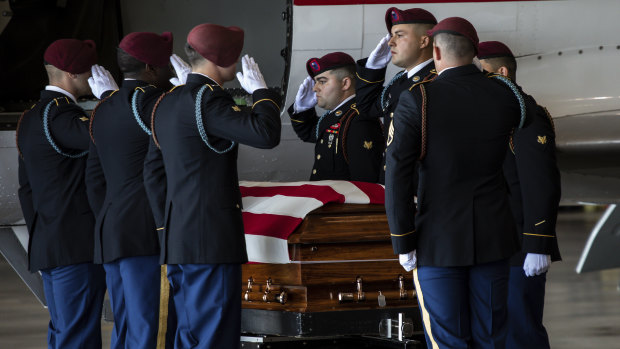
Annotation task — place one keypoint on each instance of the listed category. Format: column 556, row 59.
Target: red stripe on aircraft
column 373, row 2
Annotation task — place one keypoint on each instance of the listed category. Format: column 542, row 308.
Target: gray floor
column 582, row 311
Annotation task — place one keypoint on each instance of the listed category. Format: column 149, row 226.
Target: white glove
column 536, row 264
column 306, row 97
column 251, row 79
column 101, row 81
column 381, row 55
column 181, row 69
column 408, row 260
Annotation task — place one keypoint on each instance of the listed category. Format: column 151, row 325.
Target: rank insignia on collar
column 390, row 134
column 368, row 145
column 83, row 118
column 416, row 78
column 236, row 108
column 542, row 139
column 338, row 113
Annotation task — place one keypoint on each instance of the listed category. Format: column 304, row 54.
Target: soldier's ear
column 425, row 41
column 347, row 83
column 503, row 71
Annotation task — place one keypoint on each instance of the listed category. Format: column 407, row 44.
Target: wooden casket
column 342, row 278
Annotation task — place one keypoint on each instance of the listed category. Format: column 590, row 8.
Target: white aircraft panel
column 336, row 28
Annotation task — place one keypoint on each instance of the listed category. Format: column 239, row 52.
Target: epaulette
column 45, row 122
column 513, row 87
column 134, row 106
column 420, row 84
column 200, row 125
column 346, row 120
column 430, row 77
column 92, row 116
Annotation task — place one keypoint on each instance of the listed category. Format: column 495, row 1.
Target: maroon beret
column 457, row 26
column 493, row 49
column 149, row 48
column 220, row 45
column 72, row 55
column 395, row 16
column 334, row 60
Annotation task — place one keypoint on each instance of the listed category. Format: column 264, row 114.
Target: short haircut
column 192, row 55
column 421, row 29
column 129, row 65
column 509, row 62
column 348, row 71
column 456, row 46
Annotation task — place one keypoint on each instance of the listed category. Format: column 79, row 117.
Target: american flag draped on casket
column 272, row 210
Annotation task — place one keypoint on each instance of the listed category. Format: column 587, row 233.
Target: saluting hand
column 251, row 79
column 408, row 260
column 101, row 81
column 181, row 68
column 536, row 264
column 381, row 55
column 306, row 97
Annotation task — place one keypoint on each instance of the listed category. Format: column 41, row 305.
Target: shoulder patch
column 390, row 133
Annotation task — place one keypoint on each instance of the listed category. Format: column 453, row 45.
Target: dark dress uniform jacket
column 202, row 209
column 533, row 178
column 52, row 191
column 463, row 216
column 368, row 90
column 349, row 146
column 125, row 226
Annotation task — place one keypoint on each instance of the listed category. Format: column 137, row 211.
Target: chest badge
column 542, row 139
column 368, row 145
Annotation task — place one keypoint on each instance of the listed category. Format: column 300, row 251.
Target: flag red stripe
column 322, row 193
column 375, row 192
column 272, row 225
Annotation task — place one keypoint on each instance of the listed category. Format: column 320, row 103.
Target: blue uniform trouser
column 133, row 288
column 207, row 298
column 463, row 307
column 74, row 296
column 526, row 301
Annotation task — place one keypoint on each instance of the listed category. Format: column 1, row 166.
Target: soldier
column 348, row 145
column 534, row 199
column 52, row 140
column 463, row 233
column 409, row 47
column 191, row 178
column 126, row 240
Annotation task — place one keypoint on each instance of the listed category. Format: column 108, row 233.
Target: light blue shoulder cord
column 319, row 124
column 515, row 90
column 48, row 135
column 396, row 77
column 201, row 128
column 136, row 114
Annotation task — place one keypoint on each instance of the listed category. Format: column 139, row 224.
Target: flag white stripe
column 352, row 194
column 266, row 249
column 282, row 205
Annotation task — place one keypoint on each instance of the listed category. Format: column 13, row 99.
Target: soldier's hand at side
column 101, row 81
column 251, row 79
column 381, row 55
column 306, row 97
column 408, row 260
column 181, row 68
column 536, row 264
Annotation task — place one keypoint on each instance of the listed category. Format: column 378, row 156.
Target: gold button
column 237, row 205
column 321, row 141
column 314, row 171
column 384, row 167
column 318, row 157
